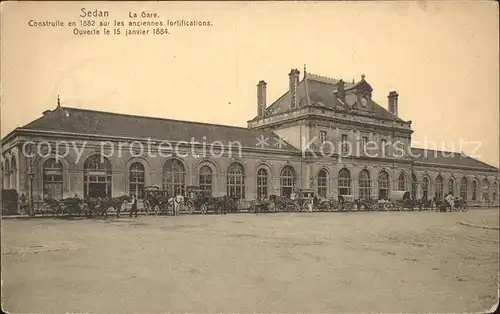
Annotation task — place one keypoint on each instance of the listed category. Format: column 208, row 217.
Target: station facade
column 322, row 134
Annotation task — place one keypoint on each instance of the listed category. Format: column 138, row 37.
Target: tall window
column 451, row 186
column 322, row 137
column 345, row 147
column 137, row 179
column 414, row 185
column 439, row 187
column 6, row 178
column 174, row 177
column 364, row 185
column 287, row 179
column 474, row 190
column 322, row 183
column 262, row 183
column 97, row 177
column 402, row 182
column 486, row 190
column 53, row 178
column 236, row 181
column 344, row 182
column 463, row 188
column 383, row 185
column 364, row 142
column 206, row 179
column 425, row 188
column 494, row 192
column 383, row 146
column 13, row 170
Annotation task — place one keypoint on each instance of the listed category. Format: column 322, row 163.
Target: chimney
column 340, row 90
column 293, row 78
column 261, row 99
column 393, row 103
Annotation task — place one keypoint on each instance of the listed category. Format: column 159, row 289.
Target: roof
column 321, row 91
column 84, row 121
column 447, row 158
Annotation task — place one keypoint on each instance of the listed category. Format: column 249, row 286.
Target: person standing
column 121, row 208
column 133, row 209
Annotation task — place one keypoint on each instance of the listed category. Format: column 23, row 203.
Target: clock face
column 364, row 101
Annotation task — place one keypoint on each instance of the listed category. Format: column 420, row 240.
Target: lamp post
column 32, row 207
column 31, row 175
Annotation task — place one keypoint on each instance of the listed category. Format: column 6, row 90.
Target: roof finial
column 362, row 76
column 305, row 71
column 58, row 101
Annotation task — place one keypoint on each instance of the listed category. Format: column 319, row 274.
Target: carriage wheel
column 296, row 208
column 156, row 210
column 465, row 207
column 189, row 207
column 203, row 209
column 272, row 206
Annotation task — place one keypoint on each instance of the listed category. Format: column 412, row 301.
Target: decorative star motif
column 280, row 142
column 262, row 141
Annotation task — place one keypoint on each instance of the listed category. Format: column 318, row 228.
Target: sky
column 441, row 58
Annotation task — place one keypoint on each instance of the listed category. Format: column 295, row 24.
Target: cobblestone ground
column 297, row 262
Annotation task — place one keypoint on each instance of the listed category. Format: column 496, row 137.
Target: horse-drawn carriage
column 75, row 206
column 401, row 200
column 157, row 201
column 345, row 203
column 366, row 204
column 197, row 200
column 263, row 205
column 458, row 204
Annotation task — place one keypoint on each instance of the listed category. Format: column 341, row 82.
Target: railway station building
column 322, row 134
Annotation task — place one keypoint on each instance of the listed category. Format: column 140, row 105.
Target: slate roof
column 84, row 121
column 321, row 92
column 447, row 158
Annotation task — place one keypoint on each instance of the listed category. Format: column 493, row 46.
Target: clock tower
column 364, row 95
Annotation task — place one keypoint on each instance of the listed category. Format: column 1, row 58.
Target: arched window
column 97, row 177
column 287, row 179
column 137, row 179
column 383, row 185
column 322, row 183
column 53, row 178
column 402, row 182
column 425, row 188
column 344, row 182
column 439, row 187
column 262, row 178
column 174, row 177
column 414, row 185
column 13, row 173
column 236, row 181
column 494, row 192
column 463, row 188
column 474, row 190
column 486, row 190
column 364, row 185
column 451, row 186
column 6, row 178
column 206, row 179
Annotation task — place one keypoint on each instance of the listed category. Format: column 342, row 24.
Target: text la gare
column 143, row 14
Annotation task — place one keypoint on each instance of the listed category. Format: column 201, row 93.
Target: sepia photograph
column 249, row 157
